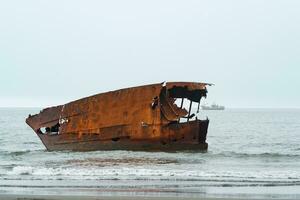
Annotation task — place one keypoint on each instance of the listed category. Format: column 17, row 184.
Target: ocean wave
column 139, row 183
column 163, row 158
column 136, row 184
column 138, row 173
column 14, row 153
column 30, row 143
column 20, row 153
column 102, row 162
column 256, row 155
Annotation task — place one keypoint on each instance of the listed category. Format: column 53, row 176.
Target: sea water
column 251, row 152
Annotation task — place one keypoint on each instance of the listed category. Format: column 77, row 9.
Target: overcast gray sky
column 52, row 52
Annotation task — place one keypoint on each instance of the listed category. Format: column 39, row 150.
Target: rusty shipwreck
column 137, row 118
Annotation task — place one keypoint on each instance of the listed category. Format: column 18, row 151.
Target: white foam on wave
column 134, row 173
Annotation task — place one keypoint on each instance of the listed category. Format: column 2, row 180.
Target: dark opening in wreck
column 139, row 118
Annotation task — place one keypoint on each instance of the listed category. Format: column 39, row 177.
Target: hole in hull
column 115, row 139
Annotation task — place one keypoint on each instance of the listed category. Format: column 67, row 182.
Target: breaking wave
column 138, row 173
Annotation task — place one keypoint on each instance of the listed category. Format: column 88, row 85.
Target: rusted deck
column 138, row 118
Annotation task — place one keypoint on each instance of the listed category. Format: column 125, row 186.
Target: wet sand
column 54, row 197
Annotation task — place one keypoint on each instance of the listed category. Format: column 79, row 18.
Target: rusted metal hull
column 185, row 136
column 140, row 118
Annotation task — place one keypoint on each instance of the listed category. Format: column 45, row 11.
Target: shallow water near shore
column 251, row 153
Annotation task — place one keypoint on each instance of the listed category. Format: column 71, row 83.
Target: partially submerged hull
column 139, row 118
column 184, row 137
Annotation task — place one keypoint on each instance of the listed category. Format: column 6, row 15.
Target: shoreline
column 235, row 193
column 183, row 193
column 72, row 197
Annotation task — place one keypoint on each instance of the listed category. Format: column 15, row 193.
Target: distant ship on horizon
column 213, row 106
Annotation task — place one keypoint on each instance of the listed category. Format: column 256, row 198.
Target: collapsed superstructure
column 137, row 118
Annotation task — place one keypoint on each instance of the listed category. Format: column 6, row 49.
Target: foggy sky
column 52, row 52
